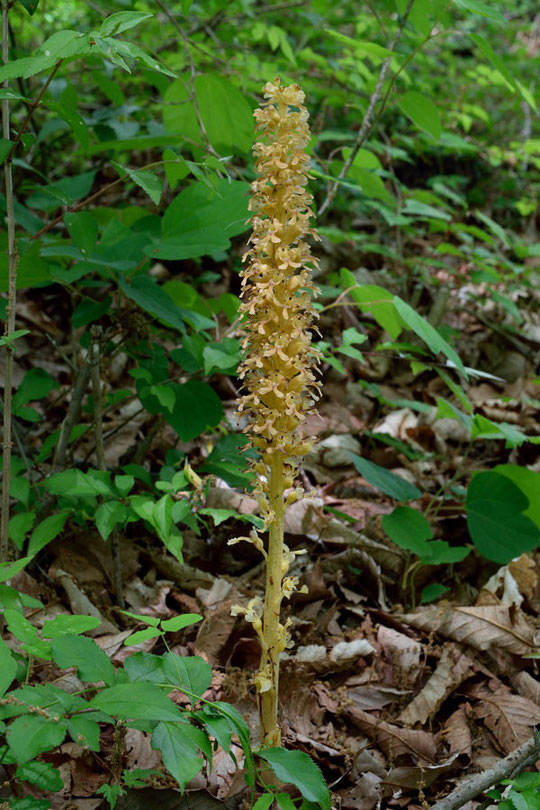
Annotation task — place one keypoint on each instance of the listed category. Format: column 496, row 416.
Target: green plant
column 521, row 793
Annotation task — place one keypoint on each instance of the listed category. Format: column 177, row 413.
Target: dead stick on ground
column 96, row 333
column 72, row 416
column 524, row 756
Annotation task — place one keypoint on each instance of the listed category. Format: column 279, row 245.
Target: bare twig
column 366, row 126
column 523, row 757
column 95, row 373
column 13, row 261
column 72, row 416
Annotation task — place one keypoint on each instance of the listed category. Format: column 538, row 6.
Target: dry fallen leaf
column 453, row 667
column 484, row 628
column 509, row 717
column 396, row 742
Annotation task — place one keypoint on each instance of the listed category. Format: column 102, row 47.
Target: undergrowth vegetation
column 128, row 130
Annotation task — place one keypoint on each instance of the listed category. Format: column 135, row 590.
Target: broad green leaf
column 498, row 527
column 109, row 515
column 142, row 635
column 178, row 751
column 422, row 112
column 442, row 553
column 528, row 482
column 179, row 622
column 74, row 121
column 142, row 666
column 409, row 529
column 85, row 730
column 226, row 114
column 136, row 701
column 81, row 652
column 200, row 221
column 376, row 300
column 28, row 802
column 8, row 667
column 495, row 59
column 76, row 484
column 32, row 270
column 296, row 768
column 46, row 531
column 388, row 482
column 69, row 625
column 36, row 384
column 122, row 21
column 83, row 229
column 146, row 292
column 426, row 331
column 42, row 774
column 33, row 734
column 197, row 407
column 191, row 672
column 432, row 592
column 285, row 802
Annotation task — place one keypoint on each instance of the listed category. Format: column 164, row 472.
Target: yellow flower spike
column 280, row 365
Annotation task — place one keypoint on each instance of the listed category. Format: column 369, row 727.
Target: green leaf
column 81, row 652
column 74, row 121
column 428, row 334
column 36, row 384
column 192, row 672
column 296, row 768
column 197, row 407
column 483, row 9
column 528, row 482
column 69, row 625
column 143, row 666
column 8, row 667
column 109, row 515
column 122, row 21
column 30, row 5
column 422, row 112
column 388, row 482
column 264, row 801
column 432, row 592
column 498, row 527
column 25, row 632
column 180, row 622
column 376, row 300
column 148, row 181
column 409, row 529
column 77, row 484
column 46, row 531
column 285, row 802
column 19, row 526
column 142, row 635
column 9, row 569
column 84, row 730
column 41, row 774
column 442, row 553
column 33, row 734
column 226, row 114
column 200, row 221
column 136, row 701
column 29, row 803
column 146, row 292
column 178, row 751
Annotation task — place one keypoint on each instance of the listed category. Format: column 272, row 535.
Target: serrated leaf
column 178, row 751
column 192, row 672
column 81, row 652
column 8, row 667
column 109, row 515
column 42, row 774
column 150, row 183
column 33, row 734
column 77, row 484
column 136, row 701
column 296, row 768
column 85, row 731
column 122, row 21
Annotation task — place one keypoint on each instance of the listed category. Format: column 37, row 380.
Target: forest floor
column 395, row 701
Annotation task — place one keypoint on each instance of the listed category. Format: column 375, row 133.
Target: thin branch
column 524, row 756
column 13, row 261
column 72, row 416
column 95, row 374
column 32, row 107
column 366, row 126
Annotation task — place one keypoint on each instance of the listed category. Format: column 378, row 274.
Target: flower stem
column 268, row 702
